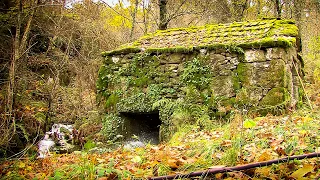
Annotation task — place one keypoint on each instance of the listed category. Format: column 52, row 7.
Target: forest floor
column 238, row 142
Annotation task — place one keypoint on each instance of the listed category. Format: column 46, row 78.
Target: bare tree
column 134, row 18
column 163, row 15
column 278, row 8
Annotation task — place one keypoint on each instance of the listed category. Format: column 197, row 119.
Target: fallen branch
column 237, row 168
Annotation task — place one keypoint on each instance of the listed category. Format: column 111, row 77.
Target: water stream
column 58, row 139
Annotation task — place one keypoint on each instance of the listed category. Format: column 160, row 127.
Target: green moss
column 232, row 36
column 122, row 50
column 270, row 42
column 236, row 82
column 277, row 74
column 112, row 100
column 243, row 71
column 275, row 102
column 177, row 49
column 242, row 98
column 275, row 97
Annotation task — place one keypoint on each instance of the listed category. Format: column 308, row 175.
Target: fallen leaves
column 298, row 174
column 261, row 139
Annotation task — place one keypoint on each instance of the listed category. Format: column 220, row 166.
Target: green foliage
column 113, row 99
column 138, row 102
column 249, row 124
column 111, row 125
column 89, row 145
column 103, row 81
column 122, row 50
column 196, row 73
column 88, row 169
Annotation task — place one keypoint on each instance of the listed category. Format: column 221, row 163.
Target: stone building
column 198, row 74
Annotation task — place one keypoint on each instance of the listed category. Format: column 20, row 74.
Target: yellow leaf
column 306, row 119
column 263, row 171
column 264, row 157
column 298, row 174
column 22, row 165
column 172, row 163
column 29, row 168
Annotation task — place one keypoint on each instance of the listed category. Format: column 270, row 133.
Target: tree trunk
column 19, row 47
column 278, row 8
column 259, row 8
column 298, row 8
column 239, row 8
column 163, row 25
column 134, row 19
column 145, row 16
column 12, row 69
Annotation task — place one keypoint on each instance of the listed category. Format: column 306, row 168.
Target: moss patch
column 234, row 37
column 275, row 97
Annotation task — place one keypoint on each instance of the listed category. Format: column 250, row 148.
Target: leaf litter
column 192, row 149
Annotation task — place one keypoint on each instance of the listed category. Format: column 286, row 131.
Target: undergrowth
column 243, row 140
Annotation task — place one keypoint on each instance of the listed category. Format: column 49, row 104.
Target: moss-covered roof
column 249, row 34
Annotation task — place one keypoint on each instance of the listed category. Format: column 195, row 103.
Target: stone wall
column 219, row 81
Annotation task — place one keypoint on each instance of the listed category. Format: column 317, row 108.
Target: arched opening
column 142, row 126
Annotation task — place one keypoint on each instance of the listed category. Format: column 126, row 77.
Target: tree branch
column 237, row 168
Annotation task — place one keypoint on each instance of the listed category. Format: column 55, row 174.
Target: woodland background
column 50, row 53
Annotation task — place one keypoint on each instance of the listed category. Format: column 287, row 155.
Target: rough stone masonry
column 252, row 66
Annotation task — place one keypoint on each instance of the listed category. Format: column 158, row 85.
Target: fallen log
column 236, row 168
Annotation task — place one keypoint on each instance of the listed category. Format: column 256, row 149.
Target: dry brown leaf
column 264, row 156
column 275, row 143
column 280, row 151
column 172, row 163
column 226, row 143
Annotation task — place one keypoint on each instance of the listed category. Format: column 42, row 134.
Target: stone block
column 217, row 59
column 223, row 86
column 275, row 97
column 275, row 53
column 254, row 56
column 264, row 74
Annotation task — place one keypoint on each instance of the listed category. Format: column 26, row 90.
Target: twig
column 238, row 168
column 301, row 82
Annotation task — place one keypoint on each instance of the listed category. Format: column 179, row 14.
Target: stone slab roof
column 237, row 35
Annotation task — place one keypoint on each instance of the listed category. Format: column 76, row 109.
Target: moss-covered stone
column 275, row 97
column 233, row 37
column 202, row 73
column 223, row 86
column 265, row 74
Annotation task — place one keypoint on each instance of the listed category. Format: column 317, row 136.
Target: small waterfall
column 59, row 140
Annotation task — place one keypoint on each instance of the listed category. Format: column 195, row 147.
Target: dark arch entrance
column 144, row 126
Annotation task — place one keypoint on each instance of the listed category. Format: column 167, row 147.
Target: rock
column 234, row 61
column 223, row 86
column 58, row 139
column 275, row 97
column 254, row 56
column 275, row 53
column 203, row 52
column 115, row 59
column 264, row 74
column 217, row 59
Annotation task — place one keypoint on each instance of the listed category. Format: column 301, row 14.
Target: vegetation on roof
column 249, row 34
